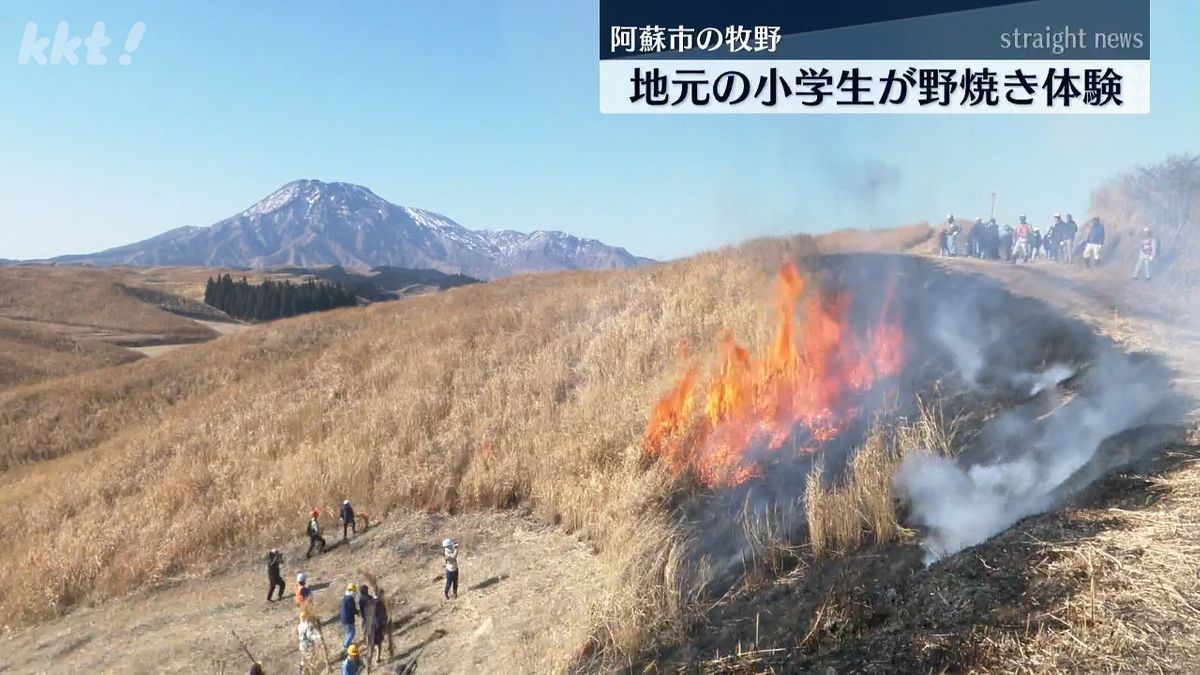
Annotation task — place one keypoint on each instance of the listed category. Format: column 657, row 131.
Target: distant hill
column 383, row 283
column 309, row 223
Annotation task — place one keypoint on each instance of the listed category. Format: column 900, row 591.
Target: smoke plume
column 1054, row 442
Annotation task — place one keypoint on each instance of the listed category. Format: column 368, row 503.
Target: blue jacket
column 1096, row 233
column 349, row 667
column 349, row 610
column 347, row 513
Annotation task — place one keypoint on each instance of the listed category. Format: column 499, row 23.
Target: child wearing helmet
column 352, row 664
column 302, row 590
column 313, row 530
column 347, row 515
column 1022, row 233
column 308, row 633
column 348, row 614
column 450, row 553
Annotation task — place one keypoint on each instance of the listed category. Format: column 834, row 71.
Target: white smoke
column 1036, row 383
column 961, row 341
column 960, row 506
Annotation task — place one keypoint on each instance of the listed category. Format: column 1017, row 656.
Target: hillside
column 1164, row 197
column 58, row 320
column 99, row 303
column 408, row 409
column 399, row 406
column 382, row 283
column 31, row 352
column 1102, row 584
column 311, row 223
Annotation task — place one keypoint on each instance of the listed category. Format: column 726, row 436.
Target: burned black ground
column 881, row 610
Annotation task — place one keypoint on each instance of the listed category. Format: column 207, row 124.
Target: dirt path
column 221, row 327
column 524, row 598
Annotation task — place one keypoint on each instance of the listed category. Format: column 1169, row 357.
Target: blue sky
column 487, row 112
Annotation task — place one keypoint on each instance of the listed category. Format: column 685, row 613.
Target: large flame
column 803, row 387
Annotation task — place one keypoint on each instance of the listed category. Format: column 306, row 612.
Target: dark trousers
column 451, row 582
column 348, row 524
column 313, row 541
column 276, row 582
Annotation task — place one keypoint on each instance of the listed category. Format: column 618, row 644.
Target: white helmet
column 346, row 503
column 301, row 578
column 949, row 216
column 1057, row 214
column 447, row 543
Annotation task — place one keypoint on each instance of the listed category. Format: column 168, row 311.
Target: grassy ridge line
column 89, row 298
column 529, row 390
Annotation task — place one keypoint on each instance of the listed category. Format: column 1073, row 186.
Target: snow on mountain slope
column 309, row 222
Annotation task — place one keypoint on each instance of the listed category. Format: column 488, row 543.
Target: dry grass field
column 60, row 320
column 532, row 390
column 31, row 352
column 529, row 392
column 98, row 303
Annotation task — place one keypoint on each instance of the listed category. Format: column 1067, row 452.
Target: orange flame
column 806, row 384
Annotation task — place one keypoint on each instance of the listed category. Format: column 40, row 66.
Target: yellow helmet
column 351, row 587
column 352, row 650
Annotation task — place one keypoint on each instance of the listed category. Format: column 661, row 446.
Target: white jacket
column 308, row 636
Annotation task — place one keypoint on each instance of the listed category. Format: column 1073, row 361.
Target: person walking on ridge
column 347, row 614
column 315, row 539
column 274, row 562
column 1093, row 242
column 347, row 518
column 303, row 593
column 308, row 633
column 1147, row 252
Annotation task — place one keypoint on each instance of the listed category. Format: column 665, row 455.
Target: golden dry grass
column 887, row 240
column 530, row 390
column 859, row 506
column 91, row 300
column 1135, row 600
column 31, row 353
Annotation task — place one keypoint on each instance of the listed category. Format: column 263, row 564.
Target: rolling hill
column 531, row 394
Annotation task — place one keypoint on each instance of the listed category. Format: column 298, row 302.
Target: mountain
column 308, row 223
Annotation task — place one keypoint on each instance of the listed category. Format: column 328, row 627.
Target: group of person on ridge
column 313, row 530
column 987, row 240
column 358, row 606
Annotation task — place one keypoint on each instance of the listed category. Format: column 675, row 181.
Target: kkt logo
column 64, row 47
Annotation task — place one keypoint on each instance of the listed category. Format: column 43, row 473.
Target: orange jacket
column 302, row 594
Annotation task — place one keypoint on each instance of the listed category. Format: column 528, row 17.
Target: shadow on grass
column 488, row 583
